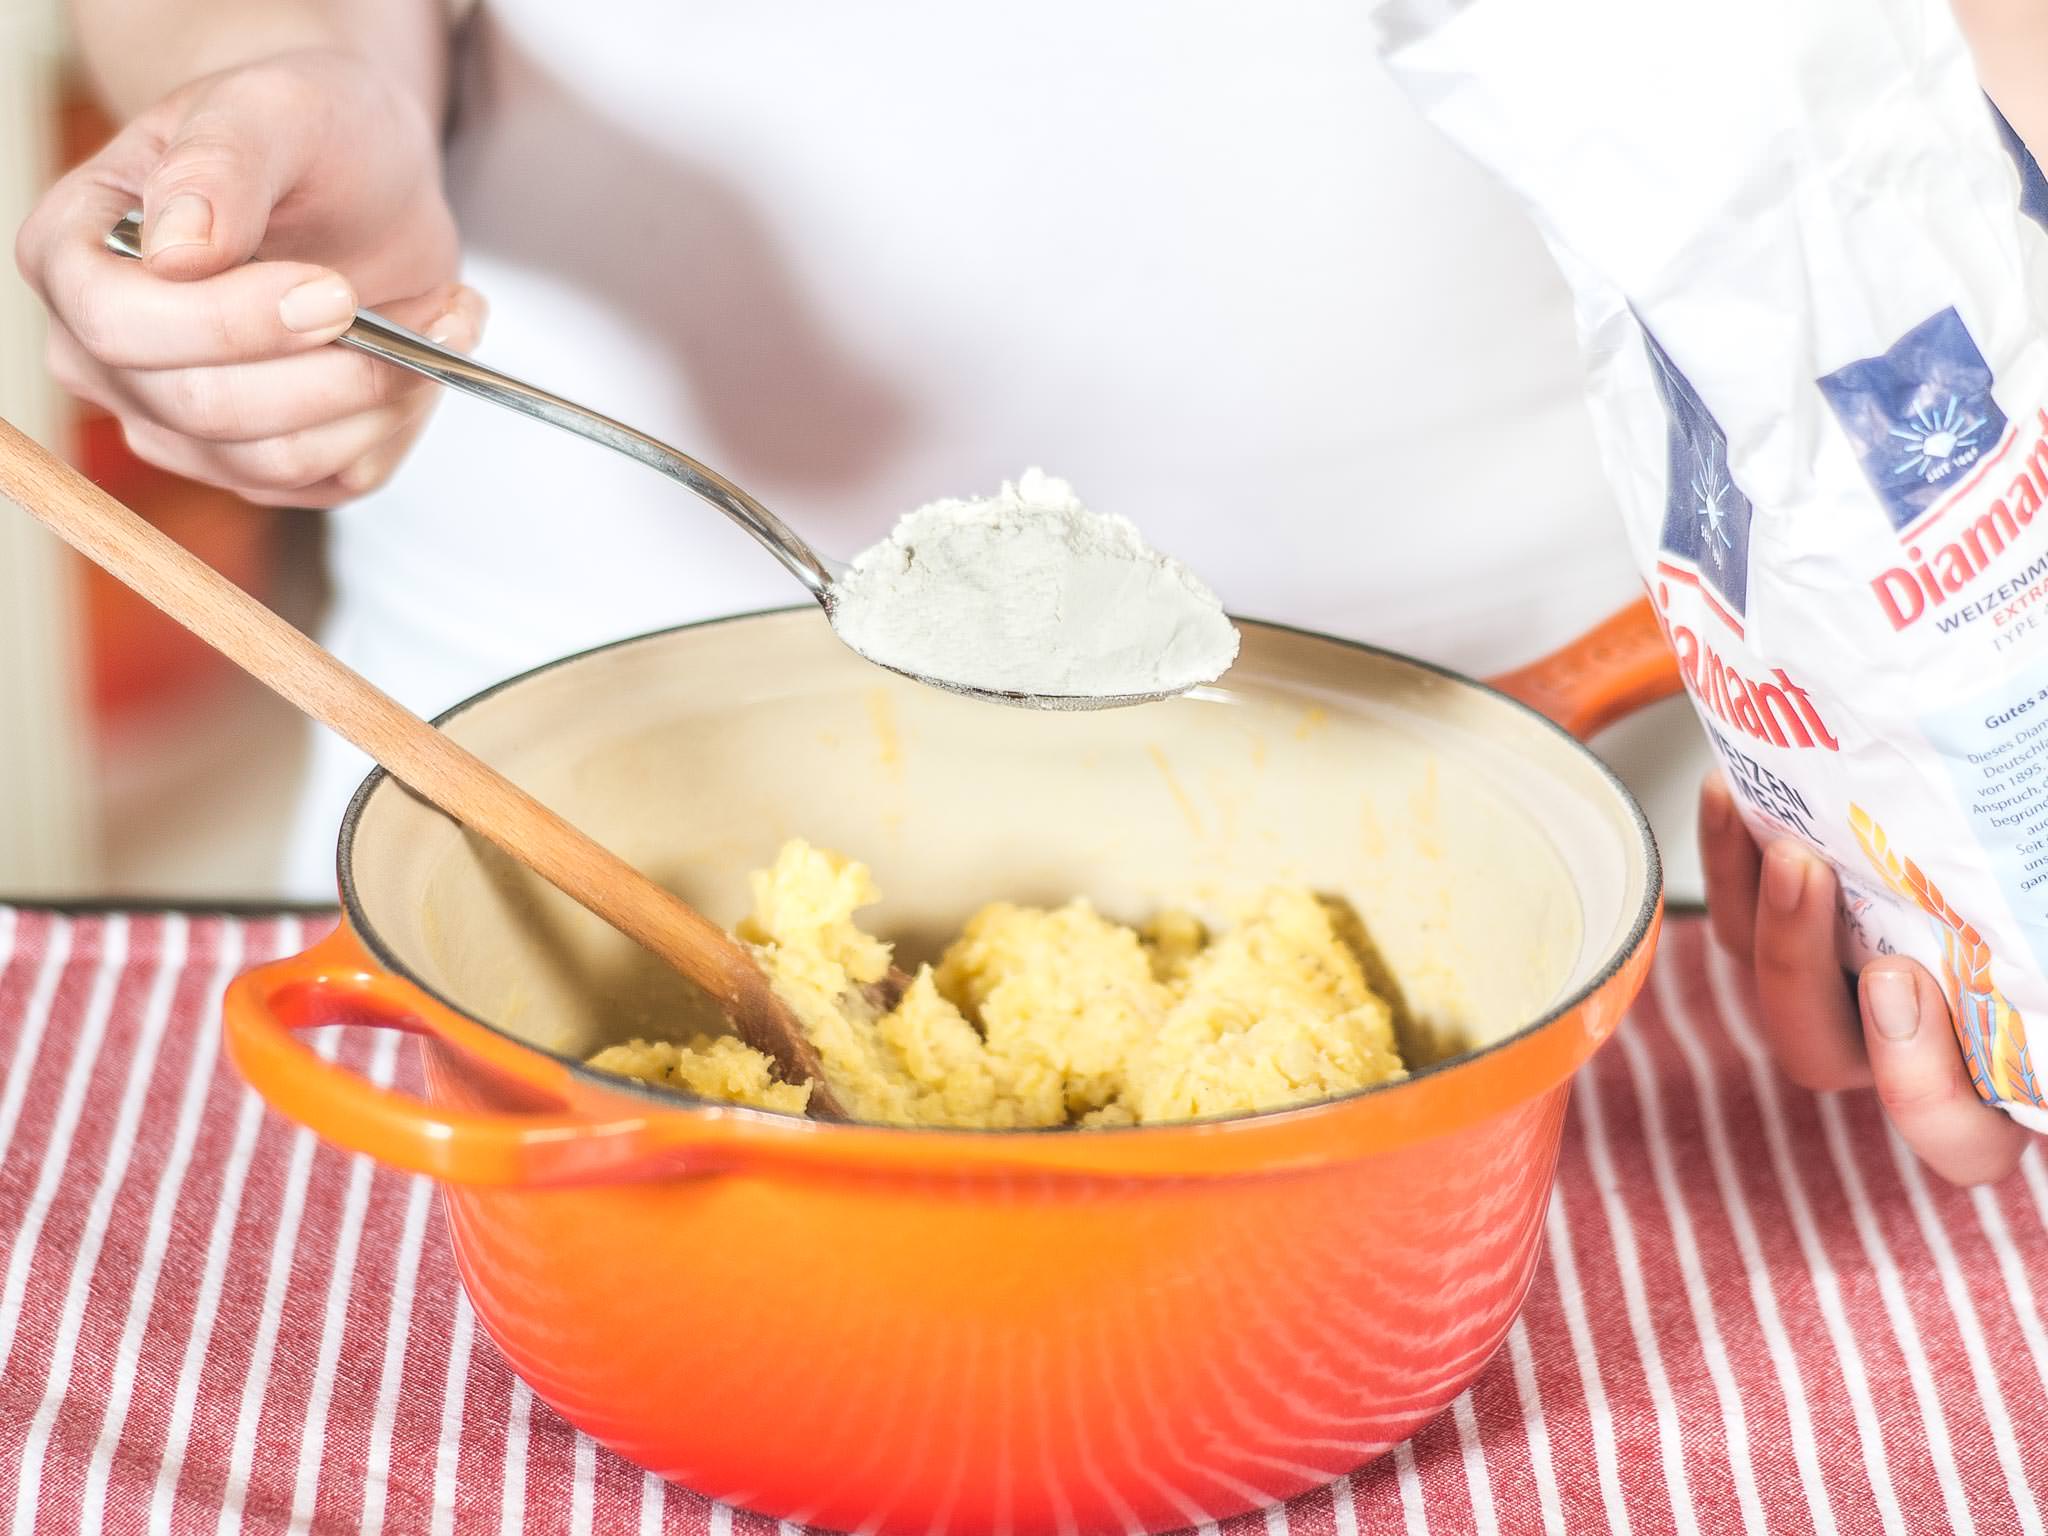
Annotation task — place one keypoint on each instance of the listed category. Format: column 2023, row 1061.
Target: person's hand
column 215, row 368
column 1773, row 910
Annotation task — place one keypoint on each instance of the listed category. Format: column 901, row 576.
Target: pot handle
column 330, row 984
column 1619, row 666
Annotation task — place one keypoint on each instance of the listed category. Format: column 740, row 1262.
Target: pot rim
column 675, row 1101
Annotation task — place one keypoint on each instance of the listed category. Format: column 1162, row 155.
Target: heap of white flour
column 1028, row 591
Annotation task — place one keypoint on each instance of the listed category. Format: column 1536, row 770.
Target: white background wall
column 48, row 836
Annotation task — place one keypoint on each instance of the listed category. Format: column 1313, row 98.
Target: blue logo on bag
column 1706, row 519
column 1919, row 415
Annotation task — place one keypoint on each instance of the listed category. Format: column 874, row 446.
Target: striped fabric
column 1756, row 1313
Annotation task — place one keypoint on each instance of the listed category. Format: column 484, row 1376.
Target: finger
column 318, row 496
column 245, row 402
column 127, row 315
column 1803, row 1000
column 94, row 196
column 1731, row 862
column 1922, row 1081
column 378, row 465
column 369, row 473
column 274, row 467
column 232, row 153
column 79, row 376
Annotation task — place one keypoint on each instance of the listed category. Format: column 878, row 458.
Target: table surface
column 1755, row 1312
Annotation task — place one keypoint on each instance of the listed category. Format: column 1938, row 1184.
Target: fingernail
column 1893, row 999
column 318, row 305
column 372, row 468
column 186, row 219
column 363, row 474
column 457, row 328
column 1784, row 877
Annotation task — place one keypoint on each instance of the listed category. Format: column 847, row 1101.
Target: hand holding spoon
column 417, row 755
column 373, row 334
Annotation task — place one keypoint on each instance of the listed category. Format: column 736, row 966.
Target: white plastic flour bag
column 1814, row 303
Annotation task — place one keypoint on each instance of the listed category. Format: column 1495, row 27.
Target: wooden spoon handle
column 460, row 783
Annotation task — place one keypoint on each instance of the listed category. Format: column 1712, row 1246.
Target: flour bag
column 1813, row 298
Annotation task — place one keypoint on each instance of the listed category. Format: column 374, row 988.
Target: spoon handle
column 428, row 761
column 379, row 337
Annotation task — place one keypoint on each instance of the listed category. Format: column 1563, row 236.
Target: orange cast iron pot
column 903, row 1330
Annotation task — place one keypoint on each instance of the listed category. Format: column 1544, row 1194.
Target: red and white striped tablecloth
column 1755, row 1313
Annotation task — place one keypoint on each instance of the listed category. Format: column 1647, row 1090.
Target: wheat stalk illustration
column 1993, row 1035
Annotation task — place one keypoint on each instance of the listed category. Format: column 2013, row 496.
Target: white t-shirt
column 1196, row 256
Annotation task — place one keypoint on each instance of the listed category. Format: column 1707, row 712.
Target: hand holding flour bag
column 1815, row 316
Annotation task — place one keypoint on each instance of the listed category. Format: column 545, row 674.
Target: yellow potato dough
column 1041, row 1018
column 711, row 1067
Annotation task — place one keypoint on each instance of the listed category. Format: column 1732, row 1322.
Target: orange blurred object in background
column 135, row 655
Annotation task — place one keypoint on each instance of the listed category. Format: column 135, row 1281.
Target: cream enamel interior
column 1497, row 868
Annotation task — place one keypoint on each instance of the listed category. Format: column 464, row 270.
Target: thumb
column 1922, row 1081
column 207, row 201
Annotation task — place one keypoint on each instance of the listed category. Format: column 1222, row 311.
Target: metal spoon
column 379, row 337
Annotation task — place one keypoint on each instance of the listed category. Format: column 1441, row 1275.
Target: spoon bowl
column 1055, row 702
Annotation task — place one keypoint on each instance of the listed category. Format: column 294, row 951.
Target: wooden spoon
column 461, row 784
